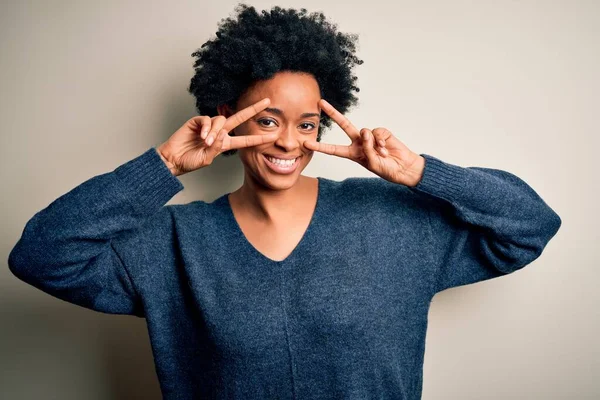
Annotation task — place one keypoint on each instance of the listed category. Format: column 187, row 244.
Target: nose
column 288, row 139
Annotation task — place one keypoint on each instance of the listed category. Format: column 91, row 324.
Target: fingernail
column 210, row 140
column 366, row 135
column 381, row 142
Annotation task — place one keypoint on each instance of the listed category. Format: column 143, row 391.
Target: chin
column 276, row 181
column 282, row 182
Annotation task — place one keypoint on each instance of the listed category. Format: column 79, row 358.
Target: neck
column 272, row 205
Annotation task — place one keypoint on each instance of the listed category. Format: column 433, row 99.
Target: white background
column 513, row 85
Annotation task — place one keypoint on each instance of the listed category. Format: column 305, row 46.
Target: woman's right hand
column 202, row 138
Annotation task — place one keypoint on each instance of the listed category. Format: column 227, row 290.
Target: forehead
column 292, row 92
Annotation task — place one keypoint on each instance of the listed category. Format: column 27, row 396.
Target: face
column 294, row 114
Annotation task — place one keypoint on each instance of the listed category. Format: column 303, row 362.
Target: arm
column 66, row 249
column 484, row 222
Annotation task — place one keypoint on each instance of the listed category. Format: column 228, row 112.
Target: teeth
column 283, row 163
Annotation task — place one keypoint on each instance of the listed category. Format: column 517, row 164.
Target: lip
column 281, row 157
column 279, row 169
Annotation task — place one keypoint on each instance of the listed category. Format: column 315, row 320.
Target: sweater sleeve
column 66, row 249
column 484, row 222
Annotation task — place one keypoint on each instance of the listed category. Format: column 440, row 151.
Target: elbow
column 533, row 249
column 548, row 225
column 15, row 260
column 554, row 222
column 23, row 265
column 18, row 263
column 508, row 256
column 531, row 246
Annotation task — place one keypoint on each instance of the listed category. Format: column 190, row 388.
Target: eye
column 311, row 126
column 264, row 122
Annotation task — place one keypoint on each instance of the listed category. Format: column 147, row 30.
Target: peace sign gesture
column 378, row 150
column 201, row 139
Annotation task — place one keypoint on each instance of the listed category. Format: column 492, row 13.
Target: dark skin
column 293, row 115
column 279, row 118
column 274, row 209
column 378, row 150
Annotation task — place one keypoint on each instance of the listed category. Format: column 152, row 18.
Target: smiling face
column 294, row 115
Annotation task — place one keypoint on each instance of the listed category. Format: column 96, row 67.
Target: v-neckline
column 250, row 247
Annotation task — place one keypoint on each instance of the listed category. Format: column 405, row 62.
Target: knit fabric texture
column 344, row 316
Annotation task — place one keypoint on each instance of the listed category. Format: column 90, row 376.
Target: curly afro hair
column 255, row 46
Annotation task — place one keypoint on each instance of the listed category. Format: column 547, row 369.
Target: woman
column 289, row 287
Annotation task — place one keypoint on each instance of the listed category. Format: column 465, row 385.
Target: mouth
column 282, row 166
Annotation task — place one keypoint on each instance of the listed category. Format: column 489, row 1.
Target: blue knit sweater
column 344, row 316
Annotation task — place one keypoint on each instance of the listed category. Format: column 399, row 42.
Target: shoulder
column 200, row 214
column 373, row 195
column 373, row 189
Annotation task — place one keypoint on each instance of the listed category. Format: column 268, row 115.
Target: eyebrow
column 279, row 112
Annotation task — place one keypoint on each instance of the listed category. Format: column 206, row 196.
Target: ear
column 224, row 110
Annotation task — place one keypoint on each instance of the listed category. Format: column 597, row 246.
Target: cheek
column 251, row 156
column 312, row 137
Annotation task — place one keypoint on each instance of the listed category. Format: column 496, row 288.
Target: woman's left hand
column 377, row 150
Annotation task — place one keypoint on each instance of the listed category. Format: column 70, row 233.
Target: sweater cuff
column 147, row 182
column 441, row 179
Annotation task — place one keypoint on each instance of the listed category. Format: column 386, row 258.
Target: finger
column 237, row 142
column 203, row 122
column 339, row 119
column 199, row 123
column 213, row 151
column 215, row 128
column 332, row 149
column 368, row 148
column 246, row 113
column 379, row 142
column 382, row 135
